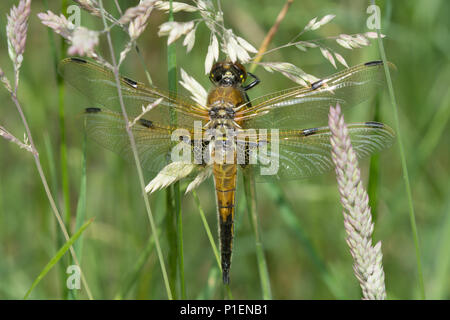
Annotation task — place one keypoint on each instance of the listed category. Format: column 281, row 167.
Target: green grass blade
column 57, row 54
column 141, row 60
column 179, row 221
column 51, row 166
column 57, row 257
column 374, row 172
column 81, row 205
column 62, row 127
column 172, row 76
column 136, row 158
column 81, row 211
column 436, row 128
column 211, row 240
column 213, row 281
column 295, row 225
column 171, row 235
column 250, row 196
column 132, row 277
column 441, row 280
column 208, row 230
column 373, row 184
column 412, row 216
column 51, row 163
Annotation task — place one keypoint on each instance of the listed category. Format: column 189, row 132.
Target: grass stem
column 404, row 166
column 172, row 77
column 250, row 195
column 136, row 157
column 270, row 35
column 47, row 188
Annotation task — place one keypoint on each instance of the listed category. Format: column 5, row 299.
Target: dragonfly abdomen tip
column 226, row 277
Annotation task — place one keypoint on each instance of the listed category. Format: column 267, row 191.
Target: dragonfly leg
column 253, row 83
column 249, row 86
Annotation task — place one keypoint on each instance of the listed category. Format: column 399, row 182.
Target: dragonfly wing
column 299, row 154
column 153, row 143
column 99, row 85
column 303, row 107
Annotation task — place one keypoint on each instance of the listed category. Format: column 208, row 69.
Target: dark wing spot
column 146, row 123
column 308, row 132
column 317, row 84
column 375, row 124
column 92, row 110
column 78, row 60
column 373, row 63
column 130, row 82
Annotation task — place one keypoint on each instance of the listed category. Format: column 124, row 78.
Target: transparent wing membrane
column 287, row 153
column 299, row 154
column 302, row 107
column 98, row 84
column 154, row 143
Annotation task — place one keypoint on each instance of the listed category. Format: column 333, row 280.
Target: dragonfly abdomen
column 225, row 184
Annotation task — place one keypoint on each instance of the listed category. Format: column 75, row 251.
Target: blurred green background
column 302, row 226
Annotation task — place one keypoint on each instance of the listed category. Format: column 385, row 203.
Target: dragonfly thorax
column 222, row 112
column 223, row 103
column 222, row 116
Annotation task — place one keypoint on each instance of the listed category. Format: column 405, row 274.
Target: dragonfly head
column 227, row 73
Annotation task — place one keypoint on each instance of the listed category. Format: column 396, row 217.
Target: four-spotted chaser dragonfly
column 299, row 149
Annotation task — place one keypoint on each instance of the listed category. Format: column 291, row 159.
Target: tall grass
column 136, row 157
column 175, row 193
column 16, row 30
column 58, row 256
column 303, row 240
column 412, row 216
column 250, row 196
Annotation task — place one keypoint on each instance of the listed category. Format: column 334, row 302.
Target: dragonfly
column 273, row 137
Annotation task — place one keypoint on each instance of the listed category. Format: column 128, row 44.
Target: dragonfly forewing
column 98, row 84
column 303, row 107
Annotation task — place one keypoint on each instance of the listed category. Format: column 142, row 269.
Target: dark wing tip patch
column 78, row 60
column 146, row 123
column 373, row 63
column 317, row 84
column 92, row 110
column 130, row 82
